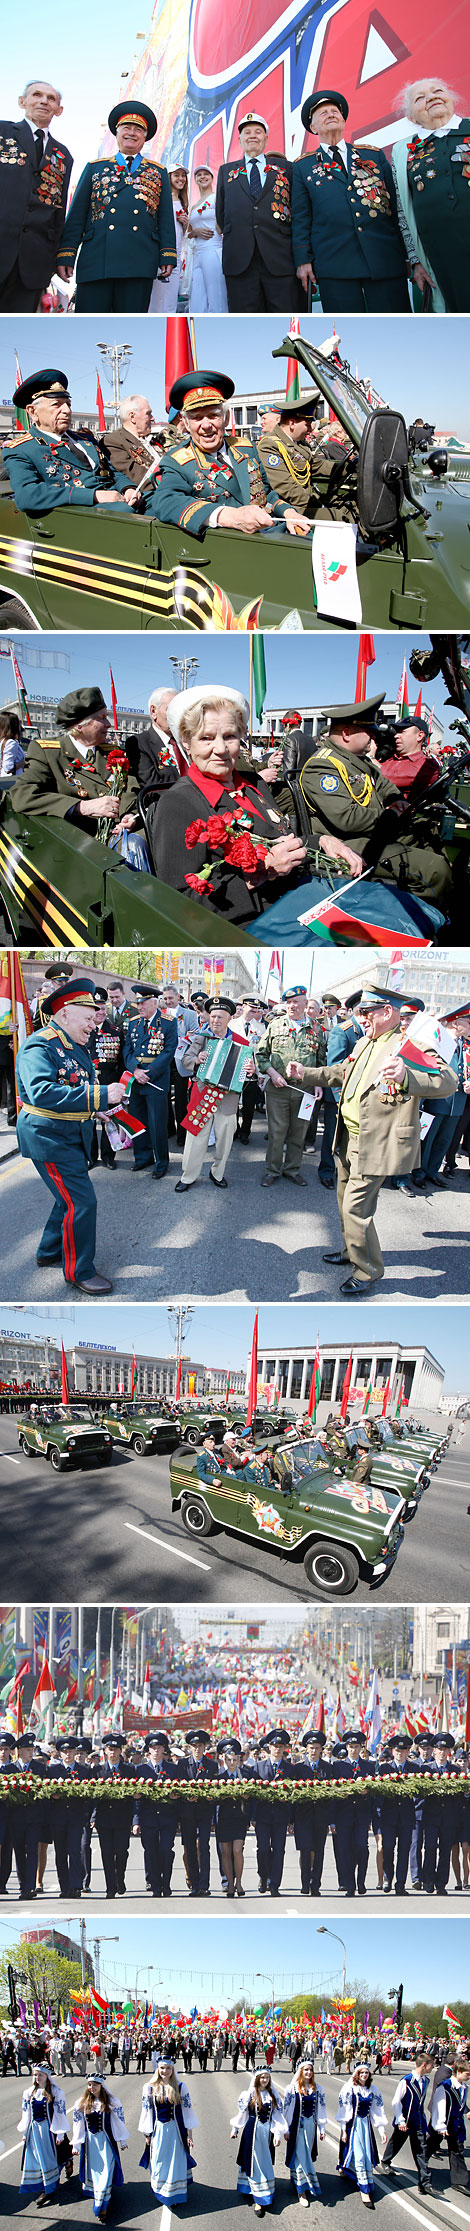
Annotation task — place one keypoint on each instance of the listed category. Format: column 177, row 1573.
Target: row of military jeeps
column 336, row 1499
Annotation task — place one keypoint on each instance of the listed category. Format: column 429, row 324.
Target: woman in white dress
column 261, row 2122
column 305, row 2113
column 99, row 2130
column 360, row 2114
column 44, row 2123
column 164, row 295
column 168, row 2120
column 208, row 289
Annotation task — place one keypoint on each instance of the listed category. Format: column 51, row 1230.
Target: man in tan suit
column 377, row 1128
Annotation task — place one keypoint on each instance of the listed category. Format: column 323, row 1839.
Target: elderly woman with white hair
column 218, row 832
column 432, row 178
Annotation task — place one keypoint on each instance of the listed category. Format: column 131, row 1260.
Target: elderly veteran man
column 289, row 1036
column 303, row 472
column 134, row 447
column 46, row 464
column 59, row 1095
column 360, row 818
column 34, row 181
column 120, row 222
column 377, row 1132
column 253, row 211
column 338, row 194
column 67, row 776
column 212, row 478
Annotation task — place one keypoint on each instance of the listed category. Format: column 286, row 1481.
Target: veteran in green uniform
column 210, row 478
column 377, row 1132
column 120, row 222
column 359, row 818
column 309, row 476
column 68, row 776
column 289, row 1037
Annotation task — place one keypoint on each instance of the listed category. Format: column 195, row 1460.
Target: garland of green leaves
column 20, row 1788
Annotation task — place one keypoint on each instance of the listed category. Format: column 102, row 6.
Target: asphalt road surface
column 247, row 1246
column 214, row 2195
column 109, row 1536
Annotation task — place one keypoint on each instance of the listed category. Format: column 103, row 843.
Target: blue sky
column 209, row 1962
column 301, row 670
column 223, row 1336
column 87, row 68
column 430, row 382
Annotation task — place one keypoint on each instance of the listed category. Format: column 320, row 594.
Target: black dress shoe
column 161, row 1173
column 357, row 1287
column 180, row 1188
column 220, row 1182
column 94, row 1285
column 46, row 1262
column 335, row 1255
column 328, row 1182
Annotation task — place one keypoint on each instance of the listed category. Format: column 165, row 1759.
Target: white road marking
column 400, row 2202
column 12, row 2150
column 9, row 1459
column 159, row 1544
column 165, row 2218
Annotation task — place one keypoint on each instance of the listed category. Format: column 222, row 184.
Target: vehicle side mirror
column 382, row 471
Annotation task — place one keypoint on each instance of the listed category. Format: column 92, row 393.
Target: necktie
column 39, row 144
column 336, row 158
column 255, row 182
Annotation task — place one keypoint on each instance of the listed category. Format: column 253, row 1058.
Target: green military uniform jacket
column 389, row 1134
column 188, row 487
column 347, row 797
column 121, row 221
column 280, row 1044
column 302, row 475
column 56, row 777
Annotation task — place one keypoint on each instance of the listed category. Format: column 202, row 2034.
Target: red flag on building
column 346, row 1387
column 114, row 702
column 100, row 405
column 179, row 355
column 178, row 1380
column 386, row 1397
column 65, row 1381
column 134, row 1380
column 419, row 705
column 253, row 1386
column 315, row 1382
column 365, row 658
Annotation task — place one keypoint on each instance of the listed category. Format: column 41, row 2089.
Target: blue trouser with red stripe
column 70, row 1231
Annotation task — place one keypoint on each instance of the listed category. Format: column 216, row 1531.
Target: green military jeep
column 391, row 1466
column 66, row 1436
column 143, row 1431
column 342, row 1533
column 195, row 1423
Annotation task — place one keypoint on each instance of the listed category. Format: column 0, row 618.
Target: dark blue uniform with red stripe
column 59, row 1095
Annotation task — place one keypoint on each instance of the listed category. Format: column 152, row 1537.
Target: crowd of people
column 341, row 226
column 409, row 1796
column 207, row 1067
column 429, row 2106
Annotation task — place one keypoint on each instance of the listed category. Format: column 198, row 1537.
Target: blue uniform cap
column 296, row 991
column 49, row 381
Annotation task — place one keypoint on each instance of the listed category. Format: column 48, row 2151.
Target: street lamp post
column 178, row 1313
column 140, row 1971
column 263, row 1978
column 324, row 1932
column 184, row 667
column 113, row 354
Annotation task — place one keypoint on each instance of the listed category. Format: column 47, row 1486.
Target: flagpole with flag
column 65, row 1380
column 253, row 1386
column 20, row 688
column 114, row 702
column 134, row 1380
column 293, row 372
column 21, row 420
column 180, row 351
column 15, row 1014
column 365, row 658
column 403, row 699
column 100, row 406
column 346, row 1387
column 315, row 1383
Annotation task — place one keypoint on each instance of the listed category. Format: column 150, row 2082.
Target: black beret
column 79, row 704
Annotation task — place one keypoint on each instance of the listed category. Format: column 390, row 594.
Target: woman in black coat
column 242, row 854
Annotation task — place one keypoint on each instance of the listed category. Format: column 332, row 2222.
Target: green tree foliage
column 41, row 1973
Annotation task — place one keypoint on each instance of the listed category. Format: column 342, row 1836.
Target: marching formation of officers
column 417, row 1834
column 341, row 224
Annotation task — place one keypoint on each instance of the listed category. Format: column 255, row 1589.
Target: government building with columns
column 288, row 1371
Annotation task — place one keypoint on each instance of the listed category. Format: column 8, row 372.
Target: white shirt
column 437, row 131
column 261, row 161
column 340, row 149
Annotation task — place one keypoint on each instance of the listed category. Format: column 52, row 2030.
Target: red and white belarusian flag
column 310, row 1719
column 237, row 1712
column 44, row 1692
column 179, row 357
column 275, row 966
column 339, row 1722
column 100, row 406
column 403, row 704
column 419, row 704
column 146, row 1692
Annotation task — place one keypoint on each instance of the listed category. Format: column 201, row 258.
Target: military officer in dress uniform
column 393, row 1816
column 106, row 1048
column 288, row 1037
column 148, row 1051
column 271, row 1817
column 196, row 1817
column 157, row 1824
column 113, row 1818
column 17, row 1835
column 440, row 1818
column 337, row 194
column 210, row 478
column 357, row 815
column 209, row 1465
column 121, row 220
column 70, row 1816
column 66, row 777
column 47, row 465
column 305, row 472
column 59, row 1095
column 377, row 1129
column 253, row 212
column 34, row 181
column 311, row 1819
column 353, row 1815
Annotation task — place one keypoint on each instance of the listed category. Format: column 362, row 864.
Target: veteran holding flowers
column 218, row 831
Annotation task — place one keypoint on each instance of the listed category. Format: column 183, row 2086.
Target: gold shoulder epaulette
column 14, row 440
column 49, row 743
column 180, row 455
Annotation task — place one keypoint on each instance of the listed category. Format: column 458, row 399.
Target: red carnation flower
column 199, row 883
column 241, row 853
column 117, row 758
column 196, row 830
column 217, row 830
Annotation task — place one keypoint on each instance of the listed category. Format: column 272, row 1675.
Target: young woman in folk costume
column 99, row 2131
column 360, row 2113
column 168, row 2120
column 305, row 2113
column 44, row 2125
column 261, row 2121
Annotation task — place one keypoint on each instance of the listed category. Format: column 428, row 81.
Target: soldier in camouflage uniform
column 286, row 1039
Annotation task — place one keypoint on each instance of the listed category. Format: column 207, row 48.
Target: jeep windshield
column 303, row 1461
column 347, row 399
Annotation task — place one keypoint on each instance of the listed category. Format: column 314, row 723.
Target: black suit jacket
column 265, row 224
column 33, row 201
column 153, row 775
